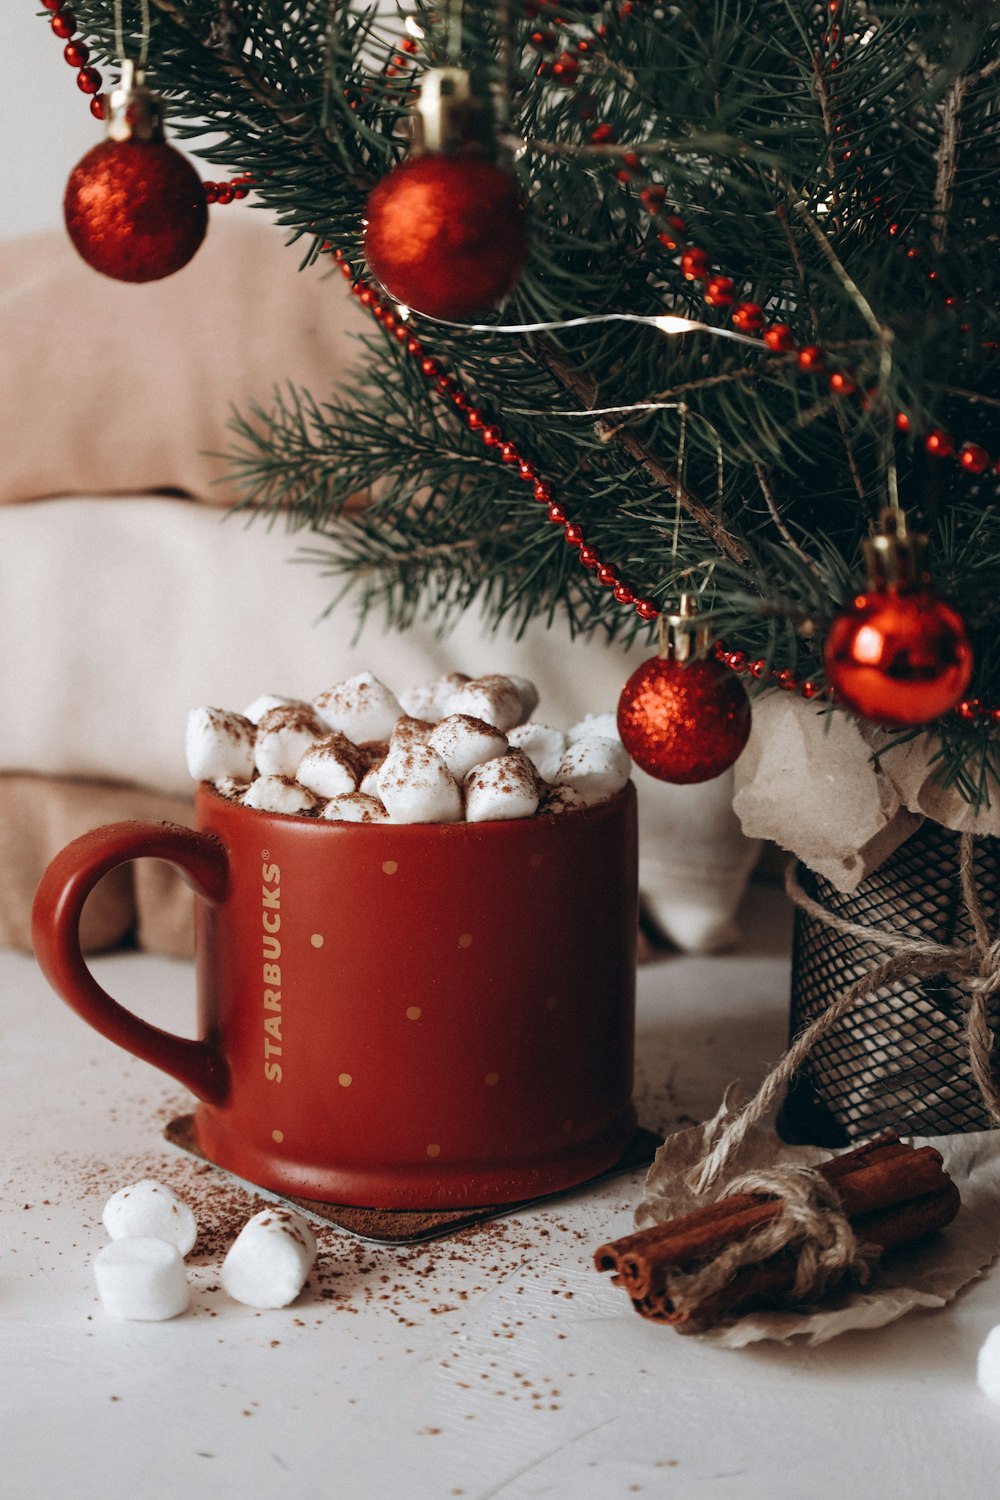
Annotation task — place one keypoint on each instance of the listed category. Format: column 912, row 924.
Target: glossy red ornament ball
column 684, row 723
column 447, row 235
column 135, row 210
column 899, row 657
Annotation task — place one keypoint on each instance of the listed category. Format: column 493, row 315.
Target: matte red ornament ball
column 447, row 235
column 684, row 722
column 899, row 657
column 136, row 211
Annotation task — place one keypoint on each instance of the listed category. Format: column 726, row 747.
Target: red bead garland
column 91, row 82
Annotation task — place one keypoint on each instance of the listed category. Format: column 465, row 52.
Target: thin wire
column 594, row 411
column 120, row 32
column 681, row 457
column 665, row 322
column 453, row 31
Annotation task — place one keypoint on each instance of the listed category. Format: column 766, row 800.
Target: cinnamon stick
column 892, row 1193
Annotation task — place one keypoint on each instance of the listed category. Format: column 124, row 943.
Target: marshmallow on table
column 542, row 744
column 416, row 787
column 492, row 698
column 268, row 1262
column 360, row 707
column 282, row 738
column 596, row 768
column 219, row 744
column 428, row 700
column 330, row 767
column 149, row 1210
column 463, row 742
column 279, row 794
column 141, row 1279
column 500, row 789
column 355, row 807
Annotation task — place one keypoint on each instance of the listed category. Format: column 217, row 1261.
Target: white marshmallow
column 416, row 787
column 408, row 730
column 279, row 794
column 232, row 788
column 988, row 1365
column 600, row 726
column 283, row 737
column 369, row 781
column 501, row 789
column 492, row 698
column 355, row 807
column 428, row 700
column 256, row 710
column 330, row 767
column 219, row 744
column 149, row 1210
column 463, row 742
column 527, row 692
column 360, row 707
column 268, row 1262
column 141, row 1279
column 542, row 744
column 595, row 767
column 560, row 799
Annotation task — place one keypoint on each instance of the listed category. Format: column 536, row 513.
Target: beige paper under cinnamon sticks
column 891, row 1193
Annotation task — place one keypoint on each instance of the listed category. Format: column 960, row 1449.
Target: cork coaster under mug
column 408, row 1226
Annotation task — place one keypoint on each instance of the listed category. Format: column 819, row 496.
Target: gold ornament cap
column 681, row 641
column 453, row 113
column 134, row 112
column 894, row 555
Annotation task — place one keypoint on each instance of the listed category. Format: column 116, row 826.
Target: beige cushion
column 108, row 387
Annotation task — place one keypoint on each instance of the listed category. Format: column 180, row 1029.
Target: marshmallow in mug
column 362, row 708
column 219, row 744
column 416, row 786
column 358, row 753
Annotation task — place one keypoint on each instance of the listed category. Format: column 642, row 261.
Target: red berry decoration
column 683, row 720
column 899, row 655
column 447, row 235
column 135, row 208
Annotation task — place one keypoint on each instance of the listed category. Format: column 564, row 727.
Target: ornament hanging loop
column 894, row 555
column 452, row 114
column 680, row 641
column 132, row 111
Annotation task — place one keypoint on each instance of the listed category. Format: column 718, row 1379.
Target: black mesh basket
column 900, row 1060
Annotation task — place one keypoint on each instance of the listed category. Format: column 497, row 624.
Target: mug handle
column 55, row 926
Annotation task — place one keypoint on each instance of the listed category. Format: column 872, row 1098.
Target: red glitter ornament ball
column 447, row 235
column 684, row 722
column 135, row 210
column 899, row 657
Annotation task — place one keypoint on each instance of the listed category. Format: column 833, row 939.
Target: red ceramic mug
column 390, row 1015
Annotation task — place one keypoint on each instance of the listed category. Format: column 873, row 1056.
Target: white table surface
column 494, row 1364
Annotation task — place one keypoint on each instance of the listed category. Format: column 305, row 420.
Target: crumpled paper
column 809, row 781
column 928, row 1275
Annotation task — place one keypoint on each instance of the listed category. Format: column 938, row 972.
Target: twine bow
column 812, row 1218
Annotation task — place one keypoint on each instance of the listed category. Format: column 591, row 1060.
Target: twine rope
column 812, row 1214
